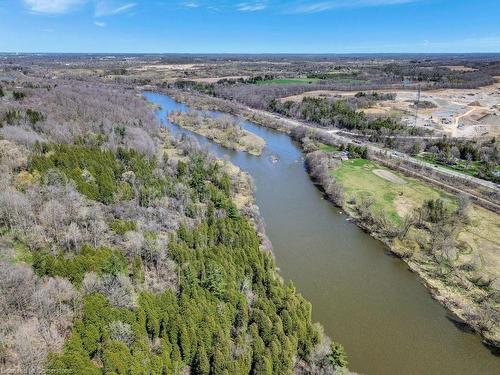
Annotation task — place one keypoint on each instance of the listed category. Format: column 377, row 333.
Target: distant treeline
column 328, row 112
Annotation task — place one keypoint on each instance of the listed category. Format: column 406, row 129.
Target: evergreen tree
column 201, row 364
column 337, row 356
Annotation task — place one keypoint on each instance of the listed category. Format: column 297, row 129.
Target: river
column 366, row 299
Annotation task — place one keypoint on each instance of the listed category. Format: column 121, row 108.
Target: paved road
column 339, row 135
column 356, row 135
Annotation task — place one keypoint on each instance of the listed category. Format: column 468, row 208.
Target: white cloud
column 226, row 5
column 53, row 6
column 191, row 5
column 100, row 24
column 104, row 8
column 315, row 7
column 251, row 7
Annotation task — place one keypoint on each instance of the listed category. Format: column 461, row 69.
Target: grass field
column 395, row 200
column 288, row 81
column 327, row 148
column 482, row 235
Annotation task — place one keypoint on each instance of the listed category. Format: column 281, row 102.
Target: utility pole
column 416, row 105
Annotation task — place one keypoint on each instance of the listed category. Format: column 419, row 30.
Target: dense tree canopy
column 232, row 314
column 126, row 253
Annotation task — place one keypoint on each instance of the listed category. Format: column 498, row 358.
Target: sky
column 262, row 26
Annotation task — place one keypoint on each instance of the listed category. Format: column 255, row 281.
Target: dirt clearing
column 403, row 205
column 467, row 113
column 389, row 176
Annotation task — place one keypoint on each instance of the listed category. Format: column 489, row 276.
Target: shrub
column 337, row 356
column 122, row 226
column 435, row 211
column 18, row 95
column 101, row 260
column 34, row 116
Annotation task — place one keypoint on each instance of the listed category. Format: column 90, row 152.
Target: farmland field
column 289, row 81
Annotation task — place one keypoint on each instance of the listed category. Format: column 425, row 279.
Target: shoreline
column 243, row 196
column 452, row 302
column 248, row 142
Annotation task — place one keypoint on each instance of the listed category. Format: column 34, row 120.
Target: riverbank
column 462, row 297
column 480, row 192
column 326, row 356
column 209, row 103
column 242, row 189
column 371, row 304
column 455, row 255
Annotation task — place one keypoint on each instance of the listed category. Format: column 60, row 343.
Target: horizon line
column 248, row 53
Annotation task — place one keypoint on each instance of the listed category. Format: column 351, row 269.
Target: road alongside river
column 365, row 299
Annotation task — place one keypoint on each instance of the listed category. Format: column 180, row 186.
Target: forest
column 478, row 158
column 123, row 251
column 328, row 113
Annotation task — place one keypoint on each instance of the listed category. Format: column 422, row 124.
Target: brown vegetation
column 224, row 130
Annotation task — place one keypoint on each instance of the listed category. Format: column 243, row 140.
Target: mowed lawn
column 288, row 81
column 395, row 200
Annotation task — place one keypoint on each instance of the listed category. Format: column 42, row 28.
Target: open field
column 460, row 68
column 217, row 79
column 482, row 235
column 361, row 179
column 167, row 67
column 327, row 148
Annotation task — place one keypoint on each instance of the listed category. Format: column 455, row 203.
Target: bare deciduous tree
column 117, row 289
column 121, row 331
column 30, row 348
